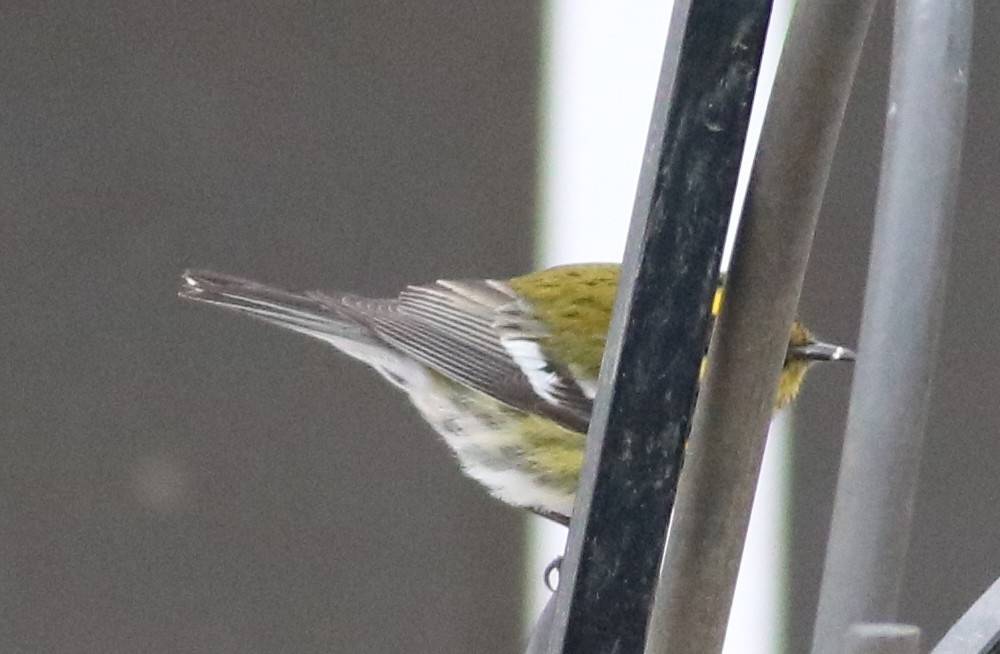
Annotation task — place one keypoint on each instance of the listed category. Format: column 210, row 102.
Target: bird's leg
column 556, row 562
column 558, row 518
column 553, row 566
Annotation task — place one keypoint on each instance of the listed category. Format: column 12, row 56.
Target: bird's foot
column 551, row 568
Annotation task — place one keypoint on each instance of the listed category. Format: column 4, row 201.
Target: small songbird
column 505, row 371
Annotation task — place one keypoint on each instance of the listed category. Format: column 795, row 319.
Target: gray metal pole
column 978, row 631
column 538, row 641
column 723, row 458
column 883, row 638
column 902, row 314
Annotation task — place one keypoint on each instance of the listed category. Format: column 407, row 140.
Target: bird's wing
column 478, row 334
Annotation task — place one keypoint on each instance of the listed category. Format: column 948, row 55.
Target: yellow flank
column 554, row 452
column 574, row 302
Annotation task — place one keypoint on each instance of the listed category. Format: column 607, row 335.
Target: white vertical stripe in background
column 600, row 68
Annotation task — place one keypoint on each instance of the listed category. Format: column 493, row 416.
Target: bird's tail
column 312, row 314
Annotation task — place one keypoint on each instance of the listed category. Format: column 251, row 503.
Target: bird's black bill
column 819, row 351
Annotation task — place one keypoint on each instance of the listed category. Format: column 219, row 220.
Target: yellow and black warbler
column 505, row 371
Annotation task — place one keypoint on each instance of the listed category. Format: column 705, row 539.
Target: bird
column 504, row 370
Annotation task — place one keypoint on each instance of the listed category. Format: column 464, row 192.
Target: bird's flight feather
column 476, row 333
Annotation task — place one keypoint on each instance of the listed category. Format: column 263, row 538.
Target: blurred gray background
column 955, row 551
column 178, row 479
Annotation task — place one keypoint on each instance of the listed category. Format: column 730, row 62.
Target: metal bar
column 538, row 640
column 658, row 332
column 882, row 638
column 791, row 168
column 869, row 534
column 978, row 631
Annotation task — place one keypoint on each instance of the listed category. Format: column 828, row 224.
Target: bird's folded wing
column 468, row 332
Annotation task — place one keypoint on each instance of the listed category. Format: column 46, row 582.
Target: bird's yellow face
column 803, row 351
column 795, row 367
column 797, row 363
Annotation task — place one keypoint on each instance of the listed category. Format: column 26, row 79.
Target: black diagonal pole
column 657, row 338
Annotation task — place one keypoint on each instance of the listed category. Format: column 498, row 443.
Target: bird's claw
column 549, row 569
